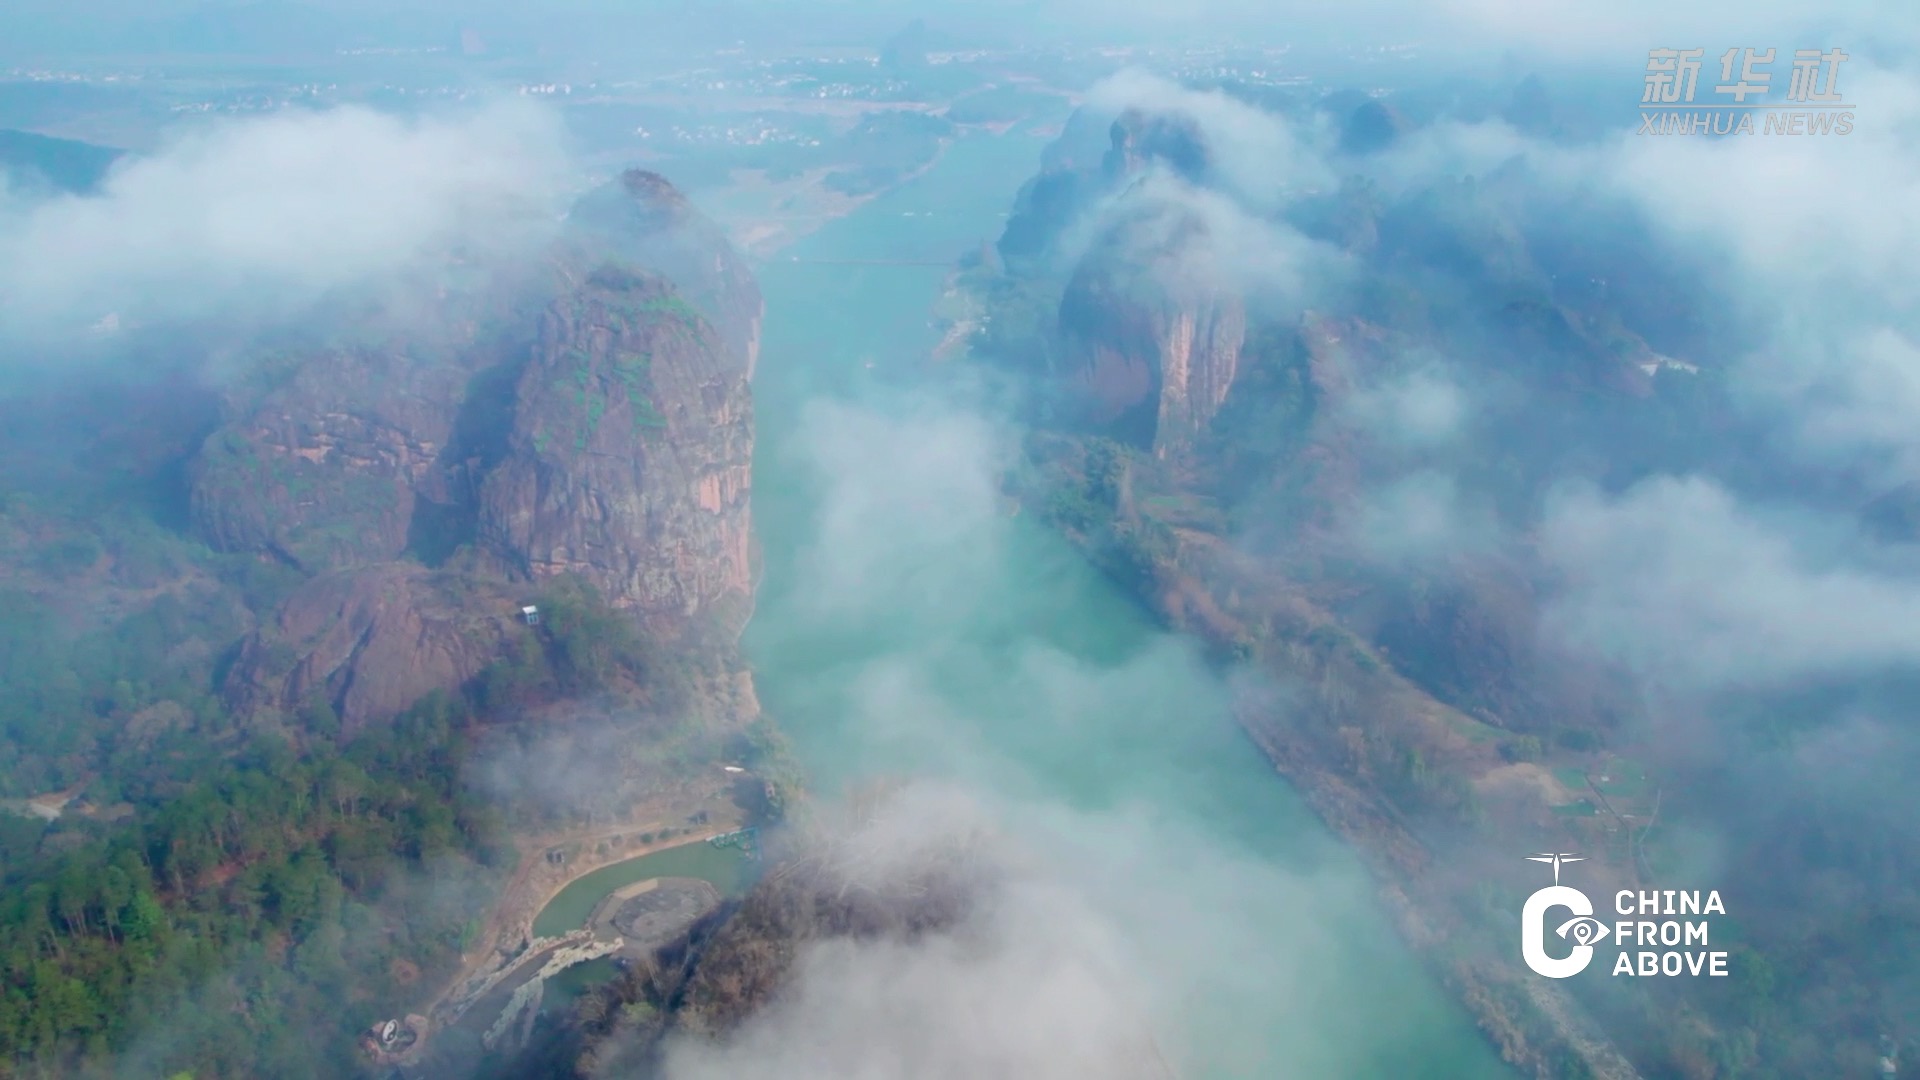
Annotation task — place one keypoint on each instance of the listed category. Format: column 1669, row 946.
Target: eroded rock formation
column 1153, row 329
column 589, row 415
column 630, row 455
column 369, row 642
column 323, row 473
column 1139, row 138
column 643, row 221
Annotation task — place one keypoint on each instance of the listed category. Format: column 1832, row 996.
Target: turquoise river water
column 907, row 624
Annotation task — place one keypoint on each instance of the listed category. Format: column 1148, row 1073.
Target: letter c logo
column 1533, row 931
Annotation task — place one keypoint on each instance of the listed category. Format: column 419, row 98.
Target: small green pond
column 727, row 868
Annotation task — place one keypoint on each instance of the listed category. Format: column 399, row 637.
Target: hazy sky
column 1556, row 28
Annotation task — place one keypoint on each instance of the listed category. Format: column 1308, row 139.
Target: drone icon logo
column 1582, row 929
column 1557, row 861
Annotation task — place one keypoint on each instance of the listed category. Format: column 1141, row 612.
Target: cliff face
column 630, row 454
column 370, row 642
column 1140, row 138
column 363, row 434
column 1150, row 323
column 325, row 472
column 1152, row 330
column 590, row 415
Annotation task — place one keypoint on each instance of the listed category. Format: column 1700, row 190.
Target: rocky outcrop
column 370, row 642
column 339, row 439
column 1151, row 325
column 1094, row 157
column 607, row 432
column 323, row 473
column 1042, row 211
column 1140, row 137
column 643, row 221
column 630, row 455
column 1371, row 127
column 1417, row 696
column 1153, row 330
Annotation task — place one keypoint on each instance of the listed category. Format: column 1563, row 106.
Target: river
column 906, row 624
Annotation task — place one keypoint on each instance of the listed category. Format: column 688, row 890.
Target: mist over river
column 908, row 624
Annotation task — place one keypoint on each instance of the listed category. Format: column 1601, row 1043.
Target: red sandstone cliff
column 630, row 456
column 1153, row 328
column 588, row 415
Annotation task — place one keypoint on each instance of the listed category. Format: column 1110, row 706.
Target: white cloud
column 1097, row 941
column 1256, row 155
column 1695, row 590
column 1818, row 242
column 1423, row 517
column 1831, row 216
column 273, row 212
column 909, row 508
column 1420, row 410
column 1139, row 888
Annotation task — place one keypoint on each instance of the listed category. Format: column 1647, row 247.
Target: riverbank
column 550, row 862
column 1315, row 740
column 727, row 868
column 1509, row 1007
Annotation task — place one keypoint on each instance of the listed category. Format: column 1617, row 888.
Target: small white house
column 531, row 614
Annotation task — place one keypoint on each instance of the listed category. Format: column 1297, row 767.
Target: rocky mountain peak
column 657, row 194
column 594, row 420
column 1372, row 126
column 641, row 220
column 1139, row 138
